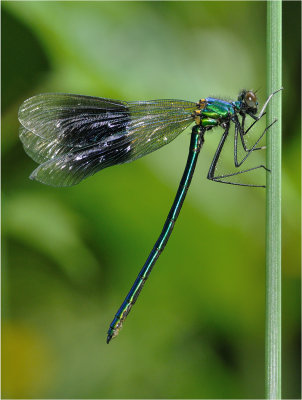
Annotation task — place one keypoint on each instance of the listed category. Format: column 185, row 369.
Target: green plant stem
column 273, row 204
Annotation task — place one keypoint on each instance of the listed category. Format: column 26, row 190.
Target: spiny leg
column 248, row 151
column 211, row 173
column 219, row 178
column 265, row 105
column 243, row 132
column 256, row 118
column 251, row 126
column 218, row 152
column 197, row 139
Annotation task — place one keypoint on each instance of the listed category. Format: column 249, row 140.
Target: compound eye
column 251, row 99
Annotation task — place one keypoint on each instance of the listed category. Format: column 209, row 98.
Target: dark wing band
column 74, row 136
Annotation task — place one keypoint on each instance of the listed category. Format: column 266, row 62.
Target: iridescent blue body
column 72, row 137
column 195, row 146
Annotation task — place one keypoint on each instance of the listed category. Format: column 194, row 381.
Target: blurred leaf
column 29, row 362
column 49, row 227
column 23, row 59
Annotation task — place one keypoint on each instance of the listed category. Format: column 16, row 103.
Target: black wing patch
column 73, row 120
column 74, row 136
column 72, row 167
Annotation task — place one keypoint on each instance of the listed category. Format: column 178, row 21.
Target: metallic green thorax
column 213, row 112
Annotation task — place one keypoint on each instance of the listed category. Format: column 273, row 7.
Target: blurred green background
column 70, row 255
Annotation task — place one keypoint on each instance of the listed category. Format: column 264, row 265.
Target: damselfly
column 73, row 137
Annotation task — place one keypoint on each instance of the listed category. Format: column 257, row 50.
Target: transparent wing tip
column 43, row 175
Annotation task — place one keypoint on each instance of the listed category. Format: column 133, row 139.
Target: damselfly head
column 249, row 100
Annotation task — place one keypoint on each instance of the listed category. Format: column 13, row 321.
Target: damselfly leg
column 239, row 129
column 220, row 178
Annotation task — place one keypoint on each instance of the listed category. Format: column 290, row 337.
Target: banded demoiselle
column 75, row 136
